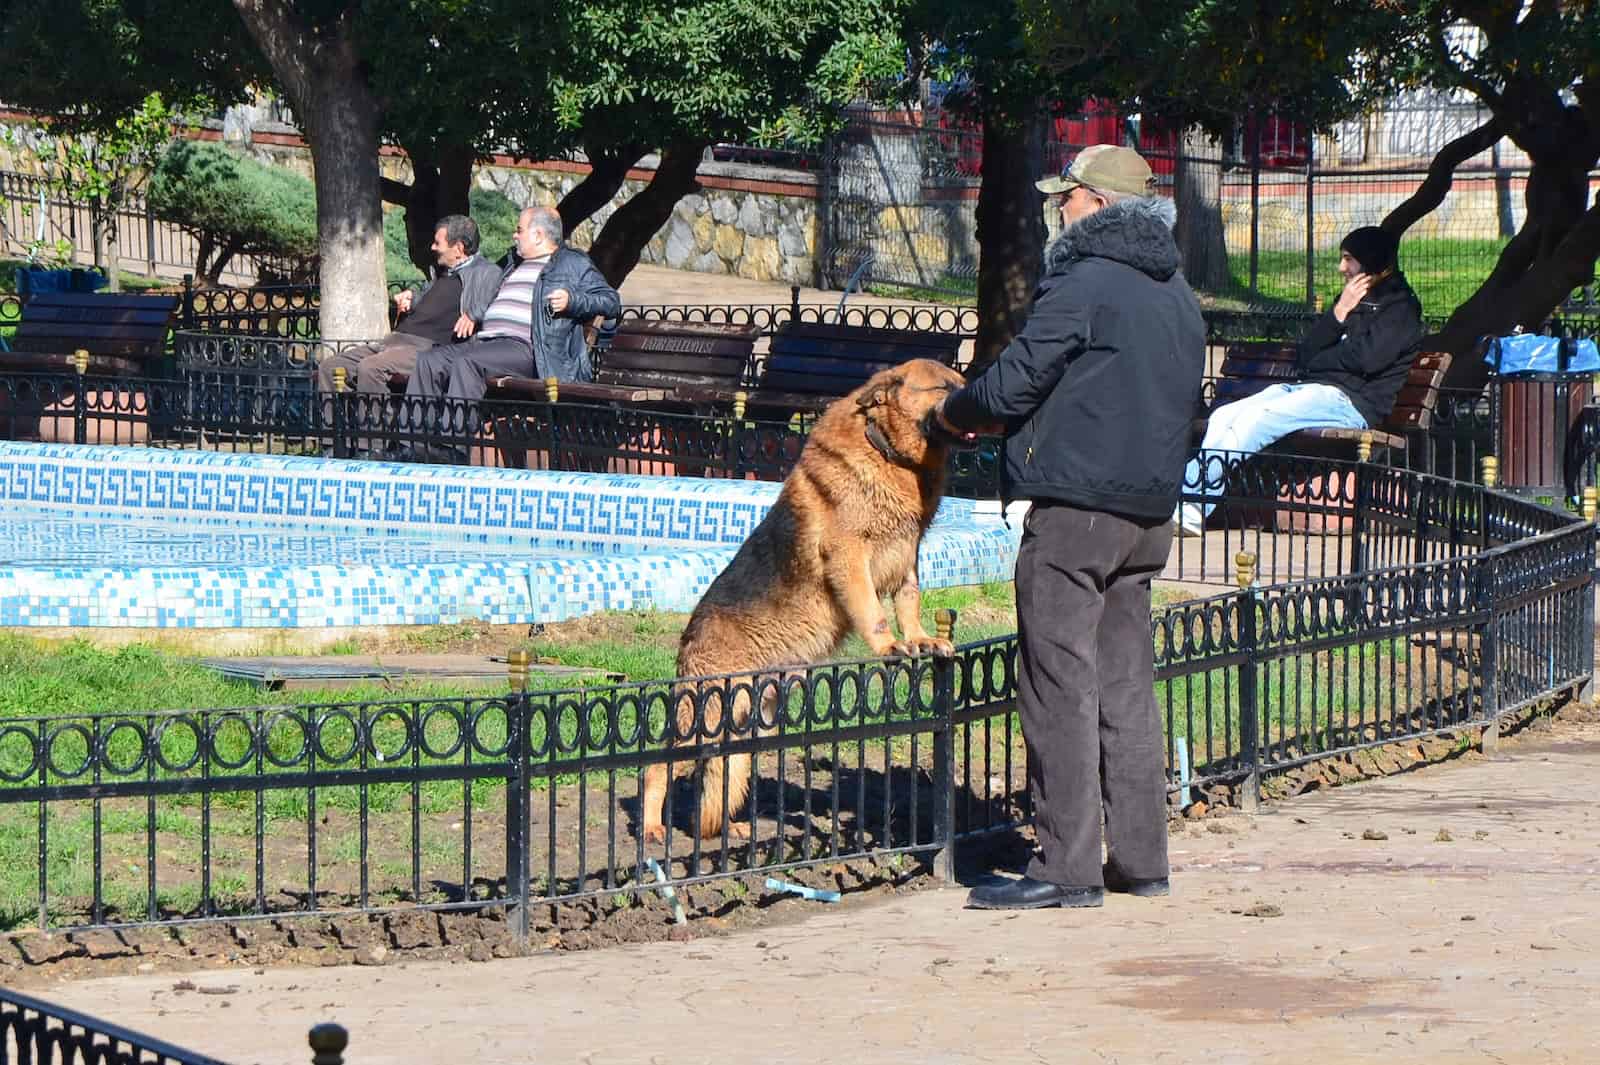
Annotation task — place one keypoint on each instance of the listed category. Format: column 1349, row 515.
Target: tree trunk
column 616, row 250
column 320, row 68
column 105, row 245
column 1010, row 229
column 1543, row 264
column 441, row 184
column 1197, row 188
column 608, row 169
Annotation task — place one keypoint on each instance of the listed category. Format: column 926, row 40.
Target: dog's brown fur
column 842, row 534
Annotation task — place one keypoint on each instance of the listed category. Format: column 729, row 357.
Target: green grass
column 1443, row 271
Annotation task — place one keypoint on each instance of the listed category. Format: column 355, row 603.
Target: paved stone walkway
column 1338, row 927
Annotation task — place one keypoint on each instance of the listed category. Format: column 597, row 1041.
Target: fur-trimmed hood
column 1137, row 232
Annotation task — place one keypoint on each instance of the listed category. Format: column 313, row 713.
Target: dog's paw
column 922, row 645
column 738, row 830
column 655, row 833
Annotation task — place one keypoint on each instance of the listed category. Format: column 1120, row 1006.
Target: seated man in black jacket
column 1352, row 364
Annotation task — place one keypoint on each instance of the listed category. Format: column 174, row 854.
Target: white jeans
column 1250, row 424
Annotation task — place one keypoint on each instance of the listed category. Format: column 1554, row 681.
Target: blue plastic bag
column 1529, row 353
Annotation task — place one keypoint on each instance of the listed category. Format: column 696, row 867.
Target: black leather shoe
column 1122, row 885
column 1030, row 894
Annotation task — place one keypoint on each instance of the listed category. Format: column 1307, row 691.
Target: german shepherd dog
column 842, row 534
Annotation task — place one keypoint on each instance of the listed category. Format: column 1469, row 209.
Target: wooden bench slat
column 55, row 331
column 882, row 350
column 147, row 316
column 680, row 346
column 715, row 330
column 619, row 363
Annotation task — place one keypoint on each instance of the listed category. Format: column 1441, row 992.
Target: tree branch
column 1441, row 175
column 608, row 168
column 283, row 40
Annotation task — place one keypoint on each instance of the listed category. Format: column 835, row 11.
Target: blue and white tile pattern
column 273, row 542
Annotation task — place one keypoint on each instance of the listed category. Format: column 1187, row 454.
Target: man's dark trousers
column 1087, row 692
column 462, row 371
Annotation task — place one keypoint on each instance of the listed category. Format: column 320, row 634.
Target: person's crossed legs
column 1255, row 422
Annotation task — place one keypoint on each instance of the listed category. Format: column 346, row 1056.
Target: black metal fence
column 30, row 210
column 1434, row 606
column 36, row 1032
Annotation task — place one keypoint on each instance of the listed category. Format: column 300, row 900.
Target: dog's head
column 899, row 404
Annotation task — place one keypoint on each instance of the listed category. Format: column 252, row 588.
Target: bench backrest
column 126, row 326
column 833, row 360
column 1248, row 367
column 676, row 354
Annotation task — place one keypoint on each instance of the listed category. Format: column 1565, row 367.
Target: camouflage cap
column 1103, row 166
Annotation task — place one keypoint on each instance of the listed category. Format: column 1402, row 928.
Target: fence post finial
column 328, row 1042
column 739, row 401
column 1491, row 471
column 1591, row 502
column 80, row 361
column 341, row 379
column 517, row 668
column 552, row 388
column 944, row 623
column 1244, row 569
column 1364, row 447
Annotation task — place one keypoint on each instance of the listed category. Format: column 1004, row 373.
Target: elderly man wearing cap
column 1096, row 394
column 1351, row 364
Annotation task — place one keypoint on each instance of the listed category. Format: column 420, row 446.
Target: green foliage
column 94, row 166
column 652, row 72
column 494, row 212
column 1208, row 62
column 95, row 61
column 235, row 202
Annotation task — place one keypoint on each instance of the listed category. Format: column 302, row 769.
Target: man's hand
column 559, row 299
column 944, row 423
column 968, row 435
column 1355, row 290
column 465, row 326
column 402, row 301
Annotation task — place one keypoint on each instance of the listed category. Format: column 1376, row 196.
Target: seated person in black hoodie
column 1352, row 364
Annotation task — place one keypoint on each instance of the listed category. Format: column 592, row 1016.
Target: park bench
column 118, row 335
column 124, row 335
column 1250, row 366
column 809, row 365
column 647, row 367
column 684, row 365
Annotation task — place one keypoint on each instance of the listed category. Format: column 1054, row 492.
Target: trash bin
column 32, row 280
column 1538, row 388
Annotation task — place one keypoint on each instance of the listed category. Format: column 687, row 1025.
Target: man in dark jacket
column 1352, row 364
column 534, row 326
column 1096, row 395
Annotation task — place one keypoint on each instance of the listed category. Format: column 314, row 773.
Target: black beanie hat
column 1372, row 247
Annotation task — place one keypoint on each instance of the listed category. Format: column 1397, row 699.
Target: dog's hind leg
column 714, row 808
column 653, row 792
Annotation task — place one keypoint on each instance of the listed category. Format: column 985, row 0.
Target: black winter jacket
column 1368, row 355
column 1098, row 391
column 559, row 347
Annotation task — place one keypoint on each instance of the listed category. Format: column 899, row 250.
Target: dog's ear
column 879, row 394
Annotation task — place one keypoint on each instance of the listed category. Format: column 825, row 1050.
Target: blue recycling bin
column 32, row 280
